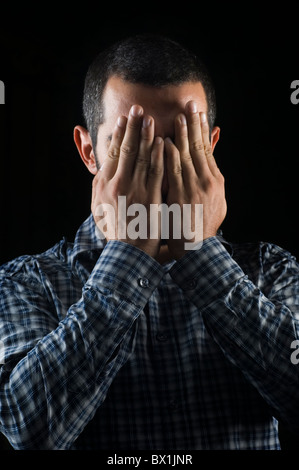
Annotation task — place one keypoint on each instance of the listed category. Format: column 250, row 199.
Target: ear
column 215, row 134
column 84, row 145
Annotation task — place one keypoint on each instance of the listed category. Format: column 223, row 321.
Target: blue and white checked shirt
column 107, row 349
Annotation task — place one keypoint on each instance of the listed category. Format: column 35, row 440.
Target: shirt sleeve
column 56, row 374
column 254, row 331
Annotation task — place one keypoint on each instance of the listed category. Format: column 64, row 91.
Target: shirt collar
column 88, row 238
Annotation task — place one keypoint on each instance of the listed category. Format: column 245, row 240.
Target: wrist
column 150, row 247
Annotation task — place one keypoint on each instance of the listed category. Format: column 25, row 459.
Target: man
column 124, row 342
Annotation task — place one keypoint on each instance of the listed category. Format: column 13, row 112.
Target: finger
column 207, row 145
column 182, row 144
column 173, row 165
column 130, row 144
column 143, row 159
column 109, row 165
column 156, row 168
column 196, row 145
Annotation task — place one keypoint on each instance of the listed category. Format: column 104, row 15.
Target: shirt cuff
column 128, row 271
column 207, row 273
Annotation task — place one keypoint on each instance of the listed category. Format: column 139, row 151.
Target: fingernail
column 136, row 110
column 203, row 117
column 158, row 140
column 193, row 107
column 183, row 120
column 121, row 121
column 146, row 121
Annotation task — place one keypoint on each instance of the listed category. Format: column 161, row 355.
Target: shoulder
column 32, row 284
column 261, row 253
column 33, row 268
column 266, row 264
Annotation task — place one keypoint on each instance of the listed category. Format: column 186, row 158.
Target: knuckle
column 208, row 184
column 155, row 170
column 208, row 151
column 113, row 153
column 128, row 150
column 186, row 157
column 142, row 162
column 177, row 169
column 197, row 146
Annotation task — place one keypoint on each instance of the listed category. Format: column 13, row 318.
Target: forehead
column 120, row 95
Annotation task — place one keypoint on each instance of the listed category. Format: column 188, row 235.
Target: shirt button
column 162, row 337
column 143, row 282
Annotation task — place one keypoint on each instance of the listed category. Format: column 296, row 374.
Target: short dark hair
column 146, row 59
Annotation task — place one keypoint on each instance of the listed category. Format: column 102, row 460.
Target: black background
column 252, row 53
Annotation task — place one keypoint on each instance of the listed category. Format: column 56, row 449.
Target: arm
column 132, row 170
column 56, row 375
column 253, row 330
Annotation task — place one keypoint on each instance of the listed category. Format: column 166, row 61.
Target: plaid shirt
column 104, row 348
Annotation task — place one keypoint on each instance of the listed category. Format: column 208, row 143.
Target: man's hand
column 194, row 177
column 134, row 169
